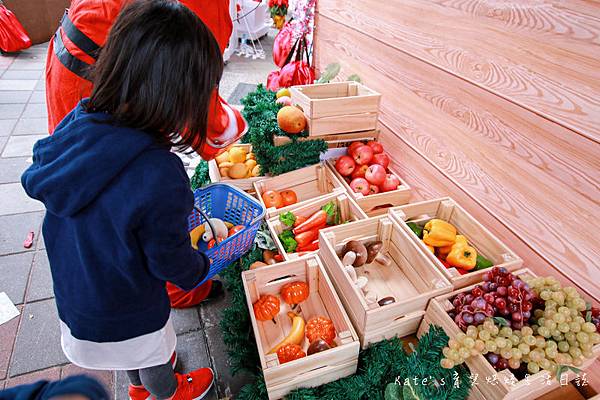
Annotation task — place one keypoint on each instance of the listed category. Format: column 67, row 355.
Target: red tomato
column 289, row 197
column 272, row 199
column 211, row 244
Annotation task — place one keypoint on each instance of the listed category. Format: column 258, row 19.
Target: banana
column 197, row 232
column 296, row 335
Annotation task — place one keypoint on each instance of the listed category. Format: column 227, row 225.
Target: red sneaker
column 195, row 385
column 140, row 392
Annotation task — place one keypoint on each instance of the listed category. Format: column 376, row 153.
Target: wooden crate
column 411, row 279
column 309, row 184
column 376, row 204
column 334, row 141
column 243, row 184
column 437, row 313
column 316, row 369
column 478, row 236
column 349, row 210
column 340, row 107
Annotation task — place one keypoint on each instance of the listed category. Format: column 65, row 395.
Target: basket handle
column 210, row 225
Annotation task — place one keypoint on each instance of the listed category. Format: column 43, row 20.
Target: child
column 117, row 199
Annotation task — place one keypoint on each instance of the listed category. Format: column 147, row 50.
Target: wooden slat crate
column 336, row 140
column 376, row 204
column 485, row 242
column 535, row 386
column 340, row 107
column 309, row 184
column 243, row 184
column 410, row 278
column 349, row 211
column 316, row 369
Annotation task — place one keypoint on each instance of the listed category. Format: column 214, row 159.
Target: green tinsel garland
column 200, row 177
column 379, row 365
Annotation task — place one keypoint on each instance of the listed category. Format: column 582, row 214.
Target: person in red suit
column 71, row 55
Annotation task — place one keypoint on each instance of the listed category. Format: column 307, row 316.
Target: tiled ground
column 30, row 344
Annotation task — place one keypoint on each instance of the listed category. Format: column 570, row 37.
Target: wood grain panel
column 536, row 177
column 543, row 55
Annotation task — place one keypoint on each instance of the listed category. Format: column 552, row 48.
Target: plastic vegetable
column 287, row 218
column 266, row 308
column 430, row 248
column 331, row 209
column 290, row 352
column 312, row 246
column 482, row 262
column 294, row 292
column 359, row 249
column 374, row 253
column 444, row 251
column 317, row 219
column 235, row 229
column 296, row 335
column 299, row 220
column 321, row 328
column 318, row 346
column 289, row 197
column 221, row 230
column 438, row 233
column 272, row 199
column 417, row 230
column 307, row 237
column 288, row 241
column 195, row 235
column 462, row 256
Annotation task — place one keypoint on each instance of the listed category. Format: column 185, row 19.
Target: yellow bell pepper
column 438, row 233
column 462, row 256
column 445, row 250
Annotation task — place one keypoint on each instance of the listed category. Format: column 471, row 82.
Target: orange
column 291, row 119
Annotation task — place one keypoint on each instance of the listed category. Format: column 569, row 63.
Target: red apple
column 373, row 189
column 381, row 159
column 375, row 174
column 360, row 185
column 353, row 147
column 391, row 183
column 360, row 171
column 345, row 165
column 363, row 154
column 376, row 146
column 347, row 179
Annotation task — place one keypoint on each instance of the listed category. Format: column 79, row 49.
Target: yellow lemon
column 237, row 154
column 283, row 92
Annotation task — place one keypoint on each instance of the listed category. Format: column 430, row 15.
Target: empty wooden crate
column 485, row 242
column 337, row 107
column 309, row 184
column 313, row 370
column 409, row 277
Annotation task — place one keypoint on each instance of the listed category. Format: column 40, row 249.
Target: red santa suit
column 75, row 47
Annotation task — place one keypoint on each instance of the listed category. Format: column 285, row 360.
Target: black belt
column 79, row 39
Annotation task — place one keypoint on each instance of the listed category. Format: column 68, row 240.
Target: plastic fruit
column 285, row 92
column 317, row 346
column 235, row 229
column 195, row 235
column 296, row 335
column 360, row 185
column 353, row 146
column 223, row 157
column 250, row 164
column 294, row 293
column 375, row 146
column 266, row 308
column 381, row 159
column 250, row 156
column 374, row 189
column 289, row 197
column 257, row 264
column 289, row 353
column 291, row 119
column 345, row 165
column 320, row 328
column 363, row 155
column 391, row 183
column 284, row 100
column 272, row 199
column 375, row 174
column 256, row 170
column 224, row 171
column 238, row 171
column 359, row 171
column 237, row 154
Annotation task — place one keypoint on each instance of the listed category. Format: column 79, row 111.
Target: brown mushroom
column 317, row 346
column 360, row 250
column 257, row 264
column 374, row 253
column 386, row 300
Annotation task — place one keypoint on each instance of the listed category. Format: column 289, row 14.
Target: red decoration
column 290, row 352
column 294, row 292
column 266, row 308
column 12, row 34
column 320, row 328
column 283, row 45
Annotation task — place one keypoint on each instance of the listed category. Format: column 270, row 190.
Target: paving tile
column 6, row 126
column 38, row 97
column 14, row 274
column 22, row 74
column 50, row 374
column 2, row 385
column 8, row 332
column 11, row 111
column 35, row 110
column 185, row 320
column 41, row 85
column 40, row 285
column 15, row 229
column 3, row 140
column 12, row 168
column 14, row 96
column 31, row 126
column 15, row 200
column 192, row 354
column 38, row 339
column 28, row 64
column 20, row 146
column 6, row 60
column 106, row 378
column 121, row 386
column 18, row 84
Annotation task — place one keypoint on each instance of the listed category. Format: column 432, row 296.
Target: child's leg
column 160, row 380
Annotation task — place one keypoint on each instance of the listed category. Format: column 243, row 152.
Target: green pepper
column 482, row 263
column 416, row 229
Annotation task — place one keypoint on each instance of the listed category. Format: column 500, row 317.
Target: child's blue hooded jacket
column 115, row 228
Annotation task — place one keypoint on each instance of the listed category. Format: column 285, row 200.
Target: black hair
column 157, row 72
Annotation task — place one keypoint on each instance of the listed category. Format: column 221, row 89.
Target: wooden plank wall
column 495, row 103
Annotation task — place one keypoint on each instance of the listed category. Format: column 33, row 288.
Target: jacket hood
column 74, row 165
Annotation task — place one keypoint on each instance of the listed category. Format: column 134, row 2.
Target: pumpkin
column 290, row 352
column 320, row 328
column 266, row 308
column 294, row 293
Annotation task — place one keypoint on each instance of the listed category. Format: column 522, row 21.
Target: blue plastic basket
column 228, row 203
